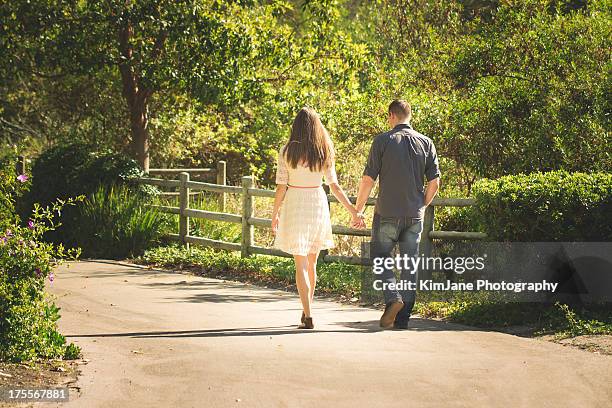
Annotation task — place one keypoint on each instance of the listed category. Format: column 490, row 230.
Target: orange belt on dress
column 289, row 185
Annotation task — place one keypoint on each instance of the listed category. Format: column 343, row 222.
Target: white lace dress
column 304, row 225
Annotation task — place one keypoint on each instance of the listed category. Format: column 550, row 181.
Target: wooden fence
column 248, row 219
column 220, row 173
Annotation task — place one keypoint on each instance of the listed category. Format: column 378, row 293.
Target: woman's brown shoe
column 307, row 323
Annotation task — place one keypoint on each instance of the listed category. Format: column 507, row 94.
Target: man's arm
column 370, row 174
column 431, row 190
column 365, row 188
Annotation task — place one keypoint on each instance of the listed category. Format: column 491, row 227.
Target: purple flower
column 3, row 240
column 51, row 277
column 8, row 233
column 38, row 273
column 22, row 177
column 31, row 224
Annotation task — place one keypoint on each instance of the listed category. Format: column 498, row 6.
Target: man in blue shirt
column 402, row 159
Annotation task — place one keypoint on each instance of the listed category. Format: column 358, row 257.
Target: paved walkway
column 163, row 339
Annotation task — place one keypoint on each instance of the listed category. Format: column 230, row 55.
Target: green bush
column 553, row 206
column 28, row 319
column 455, row 219
column 115, row 222
column 71, row 170
column 12, row 188
column 583, row 322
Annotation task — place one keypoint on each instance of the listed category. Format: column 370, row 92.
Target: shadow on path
column 237, row 332
column 226, row 298
column 415, row 324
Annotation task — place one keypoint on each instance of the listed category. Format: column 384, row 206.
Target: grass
column 333, row 278
column 480, row 309
column 489, row 310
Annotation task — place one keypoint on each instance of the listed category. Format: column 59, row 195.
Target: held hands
column 358, row 219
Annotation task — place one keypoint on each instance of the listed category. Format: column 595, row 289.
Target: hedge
column 552, row 206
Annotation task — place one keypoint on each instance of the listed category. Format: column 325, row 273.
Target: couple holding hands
column 402, row 159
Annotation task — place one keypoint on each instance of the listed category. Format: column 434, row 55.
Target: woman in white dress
column 300, row 217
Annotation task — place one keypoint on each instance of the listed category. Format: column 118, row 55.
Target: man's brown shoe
column 388, row 317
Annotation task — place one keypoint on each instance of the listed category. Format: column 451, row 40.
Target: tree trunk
column 139, row 120
column 137, row 99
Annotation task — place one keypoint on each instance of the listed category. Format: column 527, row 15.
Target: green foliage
column 333, row 278
column 166, row 56
column 12, row 189
column 455, row 219
column 115, row 222
column 28, row 319
column 514, row 87
column 486, row 309
column 502, row 88
column 76, row 169
column 39, row 112
column 591, row 322
column 550, row 107
column 70, row 170
column 554, row 206
column 161, row 42
column 229, row 232
column 481, row 309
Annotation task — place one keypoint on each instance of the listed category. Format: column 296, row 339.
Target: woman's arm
column 337, row 191
column 279, row 196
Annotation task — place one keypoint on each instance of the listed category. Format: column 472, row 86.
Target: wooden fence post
column 426, row 245
column 183, row 205
column 20, row 167
column 222, row 180
column 247, row 212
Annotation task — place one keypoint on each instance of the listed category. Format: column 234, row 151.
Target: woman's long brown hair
column 309, row 143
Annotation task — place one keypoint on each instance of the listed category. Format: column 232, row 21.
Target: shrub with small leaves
column 553, row 206
column 11, row 189
column 28, row 319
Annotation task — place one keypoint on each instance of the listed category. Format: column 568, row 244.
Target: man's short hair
column 401, row 109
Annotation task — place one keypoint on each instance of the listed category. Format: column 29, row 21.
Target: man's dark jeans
column 386, row 233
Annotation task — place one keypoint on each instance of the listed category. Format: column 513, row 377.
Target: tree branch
column 130, row 85
column 17, row 127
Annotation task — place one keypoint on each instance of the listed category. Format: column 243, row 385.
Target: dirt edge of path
column 41, row 374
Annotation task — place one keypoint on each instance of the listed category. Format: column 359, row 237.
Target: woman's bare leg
column 312, row 273
column 302, row 282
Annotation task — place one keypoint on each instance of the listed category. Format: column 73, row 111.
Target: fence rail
column 220, row 173
column 249, row 221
